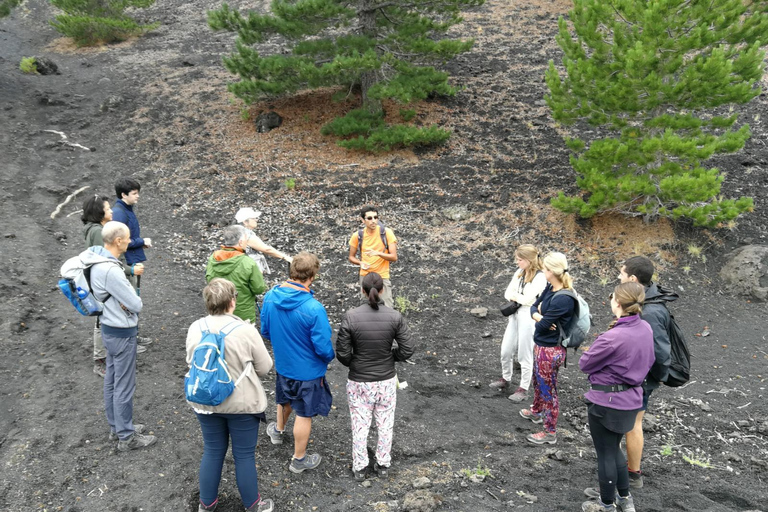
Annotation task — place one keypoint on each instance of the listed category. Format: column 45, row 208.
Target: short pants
column 308, row 398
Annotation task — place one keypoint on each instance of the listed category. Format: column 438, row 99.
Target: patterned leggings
column 368, row 399
column 546, row 362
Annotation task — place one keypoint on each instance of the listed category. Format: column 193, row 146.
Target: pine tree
column 385, row 49
column 89, row 22
column 664, row 77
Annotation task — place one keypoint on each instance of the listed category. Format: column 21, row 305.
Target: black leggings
column 611, row 462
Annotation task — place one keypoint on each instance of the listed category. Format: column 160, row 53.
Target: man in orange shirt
column 375, row 254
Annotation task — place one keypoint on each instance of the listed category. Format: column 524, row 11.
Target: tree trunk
column 367, row 17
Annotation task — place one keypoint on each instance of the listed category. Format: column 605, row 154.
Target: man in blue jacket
column 298, row 328
column 127, row 191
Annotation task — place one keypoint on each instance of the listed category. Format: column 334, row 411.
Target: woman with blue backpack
column 552, row 311
column 231, row 405
column 617, row 363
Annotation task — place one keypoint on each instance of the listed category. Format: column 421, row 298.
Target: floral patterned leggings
column 368, row 399
column 546, row 362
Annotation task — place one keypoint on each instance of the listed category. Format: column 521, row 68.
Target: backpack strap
column 382, row 233
column 87, row 276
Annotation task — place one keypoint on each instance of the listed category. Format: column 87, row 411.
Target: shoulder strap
column 360, row 242
column 384, row 240
column 87, row 276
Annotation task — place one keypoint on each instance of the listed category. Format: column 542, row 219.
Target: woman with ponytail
column 527, row 284
column 617, row 363
column 551, row 312
column 371, row 338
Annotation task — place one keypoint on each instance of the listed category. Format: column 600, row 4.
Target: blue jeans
column 217, row 430
column 120, row 383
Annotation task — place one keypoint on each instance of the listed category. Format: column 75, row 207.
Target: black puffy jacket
column 655, row 312
column 371, row 340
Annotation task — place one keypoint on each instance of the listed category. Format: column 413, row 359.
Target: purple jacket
column 622, row 355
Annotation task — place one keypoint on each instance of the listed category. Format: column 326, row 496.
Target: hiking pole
column 138, row 286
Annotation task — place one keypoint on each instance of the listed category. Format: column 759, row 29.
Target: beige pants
column 386, row 293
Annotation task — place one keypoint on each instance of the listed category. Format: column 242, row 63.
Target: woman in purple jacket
column 617, row 362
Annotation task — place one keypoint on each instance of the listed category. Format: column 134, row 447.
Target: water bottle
column 88, row 301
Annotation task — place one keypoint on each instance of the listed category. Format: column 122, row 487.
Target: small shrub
column 290, row 183
column 479, row 470
column 706, row 464
column 245, row 114
column 6, row 6
column 407, row 114
column 666, row 450
column 89, row 22
column 403, row 304
column 28, row 65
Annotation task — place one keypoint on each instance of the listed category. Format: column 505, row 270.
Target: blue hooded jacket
column 297, row 326
column 121, row 212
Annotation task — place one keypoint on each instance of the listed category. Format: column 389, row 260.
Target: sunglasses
column 372, row 217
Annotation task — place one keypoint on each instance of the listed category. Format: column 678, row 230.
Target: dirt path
column 156, row 108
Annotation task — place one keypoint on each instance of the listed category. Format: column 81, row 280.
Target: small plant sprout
column 666, row 450
column 706, row 464
column 245, row 114
column 290, row 183
column 694, row 250
column 604, row 281
column 479, row 471
column 28, row 65
column 687, row 269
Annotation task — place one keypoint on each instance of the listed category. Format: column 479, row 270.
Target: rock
column 267, row 122
column 746, row 272
column 479, row 312
column 650, row 423
column 9, row 235
column 763, row 428
column 111, row 104
column 486, row 335
column 456, row 213
column 47, row 99
column 366, row 483
column 420, row 501
column 60, row 236
column 475, row 478
column 46, row 66
column 104, row 81
column 421, row 483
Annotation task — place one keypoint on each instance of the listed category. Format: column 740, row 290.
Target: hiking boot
column 360, row 475
column 308, row 462
column 100, row 367
column 138, row 428
column 135, row 442
column 262, row 506
column 382, row 471
column 274, row 435
column 209, row 508
column 499, row 384
column 625, row 504
column 635, row 480
column 597, row 506
column 519, row 395
column 533, row 416
column 543, row 437
column 140, row 349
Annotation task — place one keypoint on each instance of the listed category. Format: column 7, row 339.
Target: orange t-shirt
column 372, row 241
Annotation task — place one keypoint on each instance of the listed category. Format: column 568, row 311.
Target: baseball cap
column 244, row 214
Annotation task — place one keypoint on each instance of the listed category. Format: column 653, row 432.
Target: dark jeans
column 611, row 463
column 120, row 383
column 217, row 430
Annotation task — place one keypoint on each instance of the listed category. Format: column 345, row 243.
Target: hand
column 371, row 252
column 536, row 317
column 364, row 266
column 138, row 269
column 288, row 259
column 147, row 243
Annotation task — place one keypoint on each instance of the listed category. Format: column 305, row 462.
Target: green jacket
column 242, row 271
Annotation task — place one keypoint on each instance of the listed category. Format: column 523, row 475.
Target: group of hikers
column 624, row 364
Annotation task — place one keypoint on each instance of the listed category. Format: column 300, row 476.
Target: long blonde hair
column 530, row 254
column 556, row 263
column 630, row 296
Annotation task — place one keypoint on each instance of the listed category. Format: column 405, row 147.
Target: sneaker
column 597, row 506
column 274, row 435
column 625, row 504
column 138, row 428
column 141, row 340
column 100, row 367
column 519, row 395
column 635, row 480
column 543, row 437
column 262, row 506
column 308, row 462
column 382, row 471
column 499, row 384
column 360, row 475
column 140, row 349
column 533, row 416
column 135, row 442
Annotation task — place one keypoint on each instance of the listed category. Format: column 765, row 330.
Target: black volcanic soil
column 157, row 108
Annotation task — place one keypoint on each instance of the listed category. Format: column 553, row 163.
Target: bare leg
column 283, row 413
column 301, row 429
column 635, row 443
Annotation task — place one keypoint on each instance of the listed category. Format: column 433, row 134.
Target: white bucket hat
column 244, row 214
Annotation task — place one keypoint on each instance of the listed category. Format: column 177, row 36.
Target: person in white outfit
column 527, row 284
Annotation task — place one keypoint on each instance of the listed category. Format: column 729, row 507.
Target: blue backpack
column 208, row 381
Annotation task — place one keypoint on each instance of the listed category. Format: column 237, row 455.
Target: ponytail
column 372, row 286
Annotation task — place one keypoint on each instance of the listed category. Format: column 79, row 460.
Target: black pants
column 612, row 471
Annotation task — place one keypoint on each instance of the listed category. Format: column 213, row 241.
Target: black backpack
column 680, row 364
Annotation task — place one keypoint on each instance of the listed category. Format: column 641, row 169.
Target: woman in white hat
column 248, row 217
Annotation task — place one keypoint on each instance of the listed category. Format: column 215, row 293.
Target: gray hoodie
column 122, row 307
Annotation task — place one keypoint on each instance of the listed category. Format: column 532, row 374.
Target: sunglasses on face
column 372, row 217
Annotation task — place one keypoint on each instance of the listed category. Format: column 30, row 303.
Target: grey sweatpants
column 120, row 383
